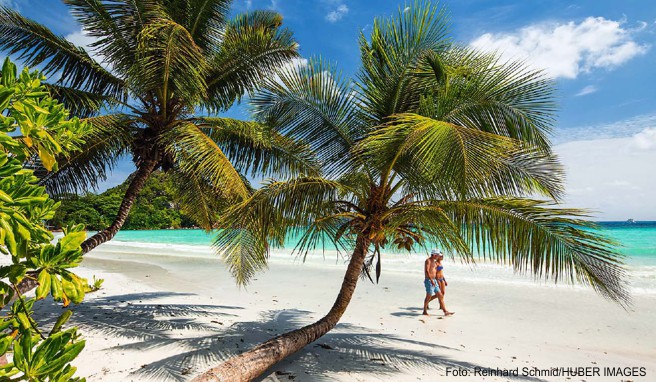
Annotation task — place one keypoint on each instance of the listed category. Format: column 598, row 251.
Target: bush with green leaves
column 35, row 128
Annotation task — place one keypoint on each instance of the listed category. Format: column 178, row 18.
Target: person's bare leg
column 426, row 301
column 440, row 297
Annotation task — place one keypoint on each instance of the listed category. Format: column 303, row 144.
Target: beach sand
column 168, row 318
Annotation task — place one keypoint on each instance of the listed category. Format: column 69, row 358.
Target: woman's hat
column 435, row 252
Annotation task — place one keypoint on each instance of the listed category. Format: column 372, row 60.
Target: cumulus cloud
column 338, row 13
column 566, row 50
column 587, row 90
column 646, row 139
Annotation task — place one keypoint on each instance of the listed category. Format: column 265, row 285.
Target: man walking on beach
column 430, row 282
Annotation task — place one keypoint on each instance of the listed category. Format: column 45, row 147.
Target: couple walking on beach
column 434, row 281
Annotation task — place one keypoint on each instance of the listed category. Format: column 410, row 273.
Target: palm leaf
column 204, row 19
column 253, row 48
column 79, row 103
column 104, row 20
column 393, row 55
column 169, row 63
column 197, row 198
column 255, row 149
column 108, row 139
column 532, row 236
column 196, row 154
column 265, row 219
column 508, row 99
column 36, row 45
column 311, row 103
column 456, row 161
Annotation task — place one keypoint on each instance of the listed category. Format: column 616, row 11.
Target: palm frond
column 254, row 148
column 169, row 63
column 429, row 224
column 196, row 154
column 244, row 250
column 79, row 103
column 505, row 98
column 36, row 45
column 329, row 231
column 456, row 161
column 394, row 54
column 197, row 198
column 253, row 47
column 313, row 104
column 204, row 19
column 551, row 243
column 106, row 22
column 108, row 139
column 266, row 217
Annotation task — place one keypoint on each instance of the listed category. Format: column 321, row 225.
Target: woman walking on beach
column 439, row 275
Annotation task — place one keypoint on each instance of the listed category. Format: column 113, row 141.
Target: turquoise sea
column 638, row 244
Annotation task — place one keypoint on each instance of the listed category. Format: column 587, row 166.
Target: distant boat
column 631, row 221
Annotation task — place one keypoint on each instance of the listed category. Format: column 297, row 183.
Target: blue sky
column 600, row 52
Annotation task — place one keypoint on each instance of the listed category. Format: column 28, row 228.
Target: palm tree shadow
column 197, row 339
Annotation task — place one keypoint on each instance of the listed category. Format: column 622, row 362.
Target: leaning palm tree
column 433, row 144
column 165, row 64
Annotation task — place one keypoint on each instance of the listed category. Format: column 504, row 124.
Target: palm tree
column 433, row 144
column 165, row 63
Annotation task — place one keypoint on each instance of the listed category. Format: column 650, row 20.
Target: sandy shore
column 166, row 318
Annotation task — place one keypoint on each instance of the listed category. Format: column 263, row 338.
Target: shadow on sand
column 198, row 339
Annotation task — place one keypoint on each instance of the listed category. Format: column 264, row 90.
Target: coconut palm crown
column 163, row 65
column 432, row 144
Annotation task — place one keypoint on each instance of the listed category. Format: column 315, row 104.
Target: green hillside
column 154, row 208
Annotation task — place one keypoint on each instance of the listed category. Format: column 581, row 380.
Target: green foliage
column 46, row 132
column 96, row 286
column 155, row 207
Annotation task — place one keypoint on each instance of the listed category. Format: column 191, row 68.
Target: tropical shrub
column 35, row 128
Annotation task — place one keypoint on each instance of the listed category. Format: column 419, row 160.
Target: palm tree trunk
column 251, row 364
column 138, row 181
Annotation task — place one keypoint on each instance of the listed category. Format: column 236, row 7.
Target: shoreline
column 169, row 318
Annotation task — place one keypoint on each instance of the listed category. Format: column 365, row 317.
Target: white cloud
column 290, row 66
column 618, row 129
column 645, row 140
column 338, row 13
column 587, row 90
column 249, row 4
column 566, row 50
column 406, row 9
column 82, row 39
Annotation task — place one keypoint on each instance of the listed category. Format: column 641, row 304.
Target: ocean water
column 638, row 244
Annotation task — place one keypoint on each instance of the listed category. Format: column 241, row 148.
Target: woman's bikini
column 439, row 268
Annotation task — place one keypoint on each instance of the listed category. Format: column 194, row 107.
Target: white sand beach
column 161, row 316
